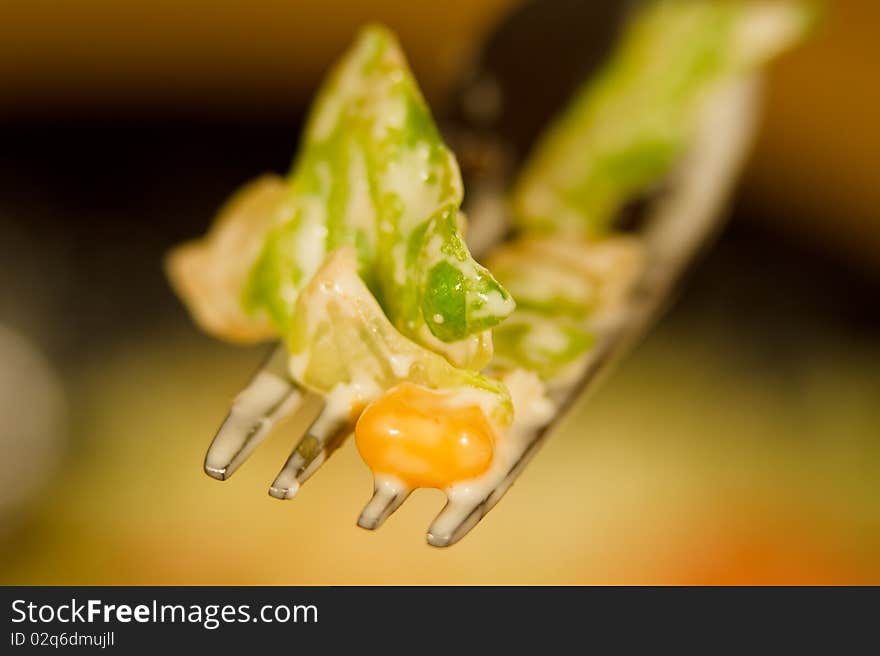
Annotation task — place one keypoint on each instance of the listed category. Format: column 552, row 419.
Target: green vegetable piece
column 540, row 343
column 373, row 173
column 625, row 131
column 562, row 288
column 340, row 336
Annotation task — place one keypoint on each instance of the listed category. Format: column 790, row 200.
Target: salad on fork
column 448, row 371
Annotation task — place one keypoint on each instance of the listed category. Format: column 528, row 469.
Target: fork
column 676, row 225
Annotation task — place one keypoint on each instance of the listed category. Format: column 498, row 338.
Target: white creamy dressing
column 401, row 364
column 494, row 305
column 547, row 336
column 472, row 352
column 389, row 486
column 360, row 208
column 341, row 401
column 398, row 257
column 532, row 411
column 470, row 397
column 311, row 238
column 310, row 243
column 390, row 112
column 766, row 30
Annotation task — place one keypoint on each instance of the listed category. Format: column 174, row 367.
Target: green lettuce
column 625, row 131
column 340, row 336
column 373, row 173
column 562, row 287
column 543, row 343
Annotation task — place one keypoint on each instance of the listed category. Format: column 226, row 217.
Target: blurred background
column 740, row 443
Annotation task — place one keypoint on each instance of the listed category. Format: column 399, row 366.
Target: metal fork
column 678, row 223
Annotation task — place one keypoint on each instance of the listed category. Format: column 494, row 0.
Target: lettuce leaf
column 563, row 288
column 209, row 273
column 542, row 343
column 625, row 131
column 373, row 173
column 340, row 336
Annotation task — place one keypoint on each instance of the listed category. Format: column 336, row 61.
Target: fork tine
column 387, row 497
column 453, row 523
column 457, row 518
column 270, row 396
column 322, row 438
